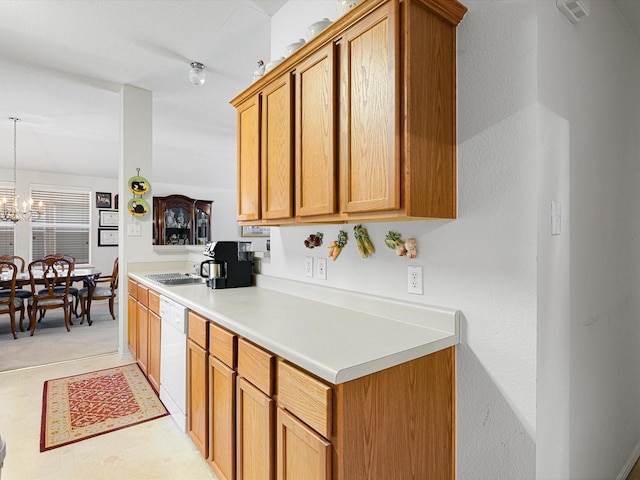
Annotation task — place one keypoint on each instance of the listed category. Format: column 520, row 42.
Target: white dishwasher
column 173, row 360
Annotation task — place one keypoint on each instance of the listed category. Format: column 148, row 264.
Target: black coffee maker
column 231, row 264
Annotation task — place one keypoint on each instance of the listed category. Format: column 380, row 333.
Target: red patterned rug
column 84, row 406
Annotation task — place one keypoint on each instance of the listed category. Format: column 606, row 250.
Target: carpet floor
column 51, row 343
column 83, row 406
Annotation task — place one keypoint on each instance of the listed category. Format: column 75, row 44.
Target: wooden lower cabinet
column 153, row 357
column 197, row 386
column 142, row 336
column 143, row 330
column 254, row 430
column 302, row 454
column 396, row 423
column 132, row 325
column 222, row 419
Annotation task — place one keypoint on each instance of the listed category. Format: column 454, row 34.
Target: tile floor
column 152, row 450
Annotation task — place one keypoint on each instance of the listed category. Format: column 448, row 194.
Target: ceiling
column 63, row 63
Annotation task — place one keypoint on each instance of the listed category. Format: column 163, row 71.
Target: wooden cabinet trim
column 132, row 288
column 198, row 328
column 259, row 460
column 315, row 129
column 142, row 336
column 291, row 463
column 143, row 294
column 248, row 160
column 154, row 302
column 306, row 397
column 276, row 154
column 153, row 344
column 256, row 365
column 197, row 396
column 222, row 419
column 223, row 345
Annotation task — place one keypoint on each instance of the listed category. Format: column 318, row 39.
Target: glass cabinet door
column 177, row 226
column 202, row 228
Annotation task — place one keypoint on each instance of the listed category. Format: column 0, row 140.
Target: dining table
column 87, row 276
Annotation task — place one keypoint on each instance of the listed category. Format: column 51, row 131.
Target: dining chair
column 55, row 275
column 20, row 292
column 100, row 293
column 72, row 290
column 9, row 303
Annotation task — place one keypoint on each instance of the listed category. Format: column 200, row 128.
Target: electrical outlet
column 321, row 273
column 308, row 266
column 414, row 279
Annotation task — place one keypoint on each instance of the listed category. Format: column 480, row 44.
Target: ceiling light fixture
column 196, row 74
column 9, row 212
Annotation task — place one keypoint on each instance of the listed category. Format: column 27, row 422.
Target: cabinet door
column 316, row 177
column 248, row 138
column 197, row 396
column 222, row 421
column 202, row 222
column 142, row 332
column 255, row 428
column 132, row 326
column 370, row 178
column 302, row 454
column 153, row 367
column 277, row 149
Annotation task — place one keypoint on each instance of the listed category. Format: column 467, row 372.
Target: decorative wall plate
column 138, row 207
column 138, row 185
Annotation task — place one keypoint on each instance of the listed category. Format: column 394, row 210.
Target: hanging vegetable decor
column 313, row 241
column 394, row 241
column 337, row 245
column 365, row 247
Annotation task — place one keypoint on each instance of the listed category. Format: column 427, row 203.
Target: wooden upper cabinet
column 369, row 114
column 248, row 146
column 277, row 149
column 375, row 119
column 315, row 166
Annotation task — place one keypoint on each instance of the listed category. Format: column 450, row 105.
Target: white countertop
column 341, row 337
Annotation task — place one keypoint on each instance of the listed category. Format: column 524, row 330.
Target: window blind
column 65, row 223
column 7, row 229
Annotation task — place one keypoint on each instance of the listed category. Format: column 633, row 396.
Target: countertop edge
column 447, row 335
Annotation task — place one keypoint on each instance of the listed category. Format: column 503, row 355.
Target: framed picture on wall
column 255, row 231
column 103, row 200
column 108, row 218
column 107, row 237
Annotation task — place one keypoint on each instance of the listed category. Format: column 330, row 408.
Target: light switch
column 134, row 230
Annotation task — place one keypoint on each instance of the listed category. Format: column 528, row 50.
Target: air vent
column 574, row 10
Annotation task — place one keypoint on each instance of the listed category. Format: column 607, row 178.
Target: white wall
column 101, row 257
column 588, row 76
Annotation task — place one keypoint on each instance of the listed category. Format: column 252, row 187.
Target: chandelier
column 9, row 210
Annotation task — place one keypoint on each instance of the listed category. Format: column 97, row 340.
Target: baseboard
column 631, row 461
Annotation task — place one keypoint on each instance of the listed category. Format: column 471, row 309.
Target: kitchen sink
column 176, row 278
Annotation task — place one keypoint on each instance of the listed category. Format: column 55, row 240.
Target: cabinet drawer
column 132, row 287
column 143, row 295
column 256, row 365
column 198, row 329
column 222, row 345
column 154, row 302
column 304, row 396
